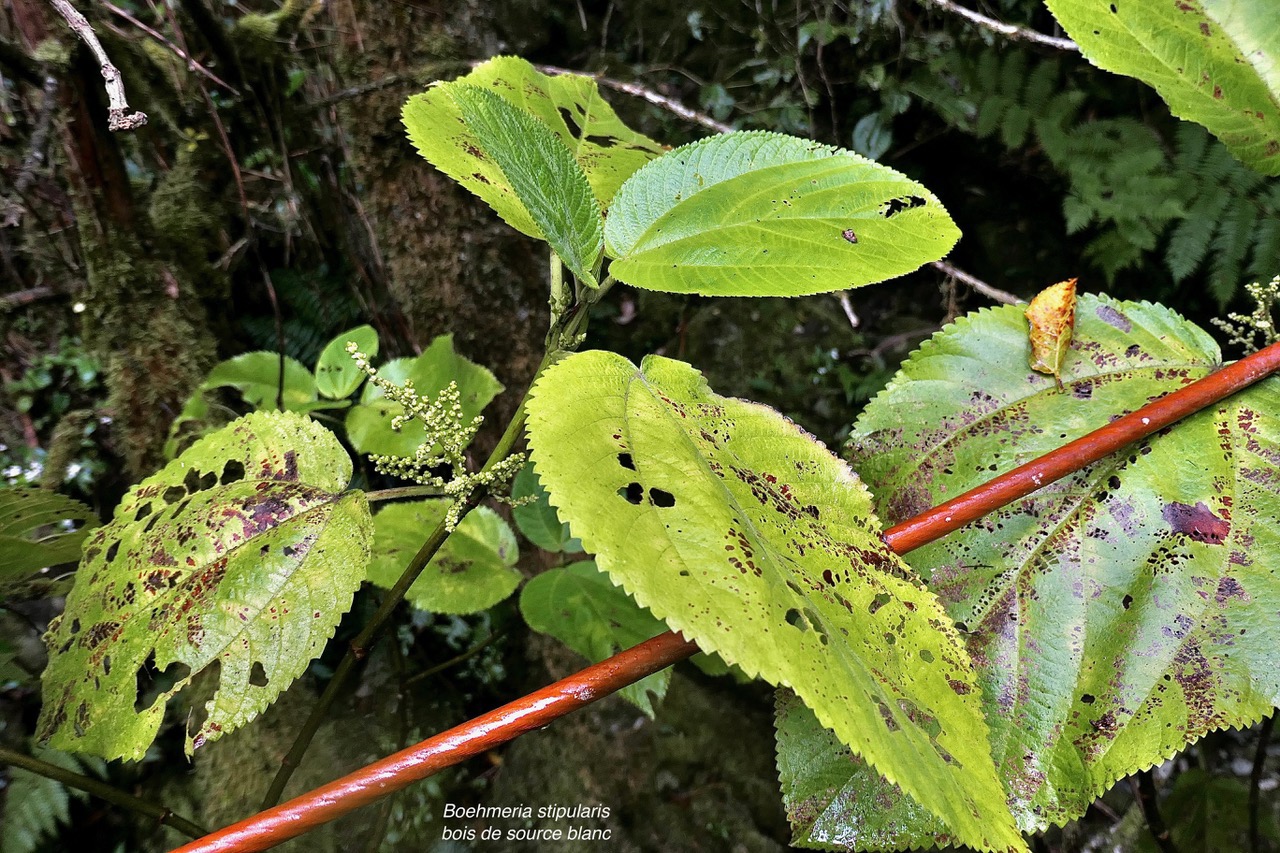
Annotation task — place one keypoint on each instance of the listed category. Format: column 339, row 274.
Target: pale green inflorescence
column 1247, row 330
column 448, row 437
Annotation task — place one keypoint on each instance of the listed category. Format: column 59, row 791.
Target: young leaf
column 474, row 569
column 580, row 607
column 369, row 422
column 503, row 132
column 607, row 150
column 39, row 528
column 538, row 520
column 542, row 172
column 1120, row 614
column 243, row 552
column 1215, row 62
column 336, row 373
column 762, row 214
column 742, row 532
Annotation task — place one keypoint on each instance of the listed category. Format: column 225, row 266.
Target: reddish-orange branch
column 331, row 801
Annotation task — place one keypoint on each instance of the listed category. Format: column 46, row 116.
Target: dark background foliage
column 272, row 201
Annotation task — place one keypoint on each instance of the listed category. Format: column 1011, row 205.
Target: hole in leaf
column 258, row 675
column 633, row 492
column 208, row 481
column 625, row 460
column 232, row 471
column 150, row 683
column 143, row 511
column 660, row 498
column 192, row 481
column 570, row 122
column 795, row 620
column 1087, row 698
column 879, row 601
column 113, row 550
column 173, row 494
column 1127, row 602
column 75, row 626
column 201, row 712
column 894, row 206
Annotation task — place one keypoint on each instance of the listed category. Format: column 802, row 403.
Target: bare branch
column 977, row 284
column 178, row 51
column 119, row 114
column 1009, row 31
column 669, row 104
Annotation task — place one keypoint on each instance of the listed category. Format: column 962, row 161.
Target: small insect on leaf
column 1052, row 315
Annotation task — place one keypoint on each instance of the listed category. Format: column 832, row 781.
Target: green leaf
column 762, row 214
column 39, row 528
column 581, row 607
column 538, row 520
column 256, row 375
column 740, row 531
column 826, row 808
column 472, row 571
column 336, row 373
column 369, row 423
column 1215, row 62
column 569, row 104
column 542, row 173
column 1120, row 614
column 243, row 552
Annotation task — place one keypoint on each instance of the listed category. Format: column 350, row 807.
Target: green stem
column 457, row 659
column 372, row 630
column 102, row 790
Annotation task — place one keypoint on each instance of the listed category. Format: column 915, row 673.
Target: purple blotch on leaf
column 1197, row 521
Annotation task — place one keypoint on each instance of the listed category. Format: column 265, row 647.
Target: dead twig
column 119, row 114
column 977, row 284
column 671, row 105
column 192, row 65
column 1009, row 31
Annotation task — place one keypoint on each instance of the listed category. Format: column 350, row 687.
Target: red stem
column 536, row 710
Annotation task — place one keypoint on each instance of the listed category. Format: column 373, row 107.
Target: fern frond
column 1230, row 247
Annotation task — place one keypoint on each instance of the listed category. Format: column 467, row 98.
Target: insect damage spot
column 633, row 492
column 894, row 206
column 173, row 494
column 258, row 675
column 661, row 498
column 1197, row 522
column 231, row 472
column 879, row 601
column 625, row 460
column 849, row 235
column 570, row 122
